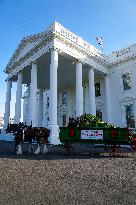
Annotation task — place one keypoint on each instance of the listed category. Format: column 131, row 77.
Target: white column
column 40, row 118
column 69, row 103
column 86, row 99
column 7, row 103
column 134, row 108
column 45, row 110
column 123, row 116
column 18, row 99
column 28, row 106
column 24, row 110
column 107, row 100
column 33, row 97
column 53, row 126
column 59, row 108
column 92, row 105
column 79, row 89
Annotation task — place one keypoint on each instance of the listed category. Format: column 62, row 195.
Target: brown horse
column 28, row 134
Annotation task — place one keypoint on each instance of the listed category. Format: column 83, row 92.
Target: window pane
column 48, row 102
column 97, row 90
column 130, row 116
column 99, row 114
column 126, row 81
column 64, row 98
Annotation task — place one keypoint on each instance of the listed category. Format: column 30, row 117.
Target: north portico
column 60, row 71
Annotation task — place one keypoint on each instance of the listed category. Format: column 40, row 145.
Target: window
column 48, row 102
column 126, row 81
column 130, row 116
column 64, row 98
column 99, row 114
column 64, row 120
column 97, row 90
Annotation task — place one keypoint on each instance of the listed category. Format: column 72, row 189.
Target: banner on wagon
column 92, row 134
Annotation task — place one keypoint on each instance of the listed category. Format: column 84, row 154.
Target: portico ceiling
column 66, row 74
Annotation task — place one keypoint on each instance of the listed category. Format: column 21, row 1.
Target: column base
column 54, row 134
column 3, row 131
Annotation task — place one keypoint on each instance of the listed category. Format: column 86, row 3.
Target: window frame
column 97, row 91
column 64, row 98
column 129, row 86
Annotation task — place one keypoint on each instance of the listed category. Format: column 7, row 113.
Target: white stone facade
column 66, row 76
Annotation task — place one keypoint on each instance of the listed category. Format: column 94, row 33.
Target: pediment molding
column 13, row 63
column 57, row 31
column 41, row 37
column 122, row 61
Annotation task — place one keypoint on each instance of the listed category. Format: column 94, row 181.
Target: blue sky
column 115, row 20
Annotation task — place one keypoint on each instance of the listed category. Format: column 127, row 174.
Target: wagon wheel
column 114, row 150
column 132, row 140
column 67, row 149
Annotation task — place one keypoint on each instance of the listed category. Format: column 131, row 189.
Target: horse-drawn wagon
column 87, row 131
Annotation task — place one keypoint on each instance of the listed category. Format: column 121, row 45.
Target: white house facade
column 67, row 77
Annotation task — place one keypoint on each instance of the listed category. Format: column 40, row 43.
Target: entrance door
column 64, row 120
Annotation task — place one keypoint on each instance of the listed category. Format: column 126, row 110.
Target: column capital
column 106, row 75
column 19, row 72
column 34, row 62
column 90, row 68
column 8, row 80
column 53, row 48
column 78, row 61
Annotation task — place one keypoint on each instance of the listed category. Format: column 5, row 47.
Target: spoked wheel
column 114, row 150
column 132, row 142
column 67, row 149
column 132, row 139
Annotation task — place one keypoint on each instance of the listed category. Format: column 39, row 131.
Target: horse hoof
column 19, row 153
column 36, row 153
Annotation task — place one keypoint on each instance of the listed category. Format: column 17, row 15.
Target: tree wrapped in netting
column 88, row 121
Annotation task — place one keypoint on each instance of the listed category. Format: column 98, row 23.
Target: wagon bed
column 107, row 136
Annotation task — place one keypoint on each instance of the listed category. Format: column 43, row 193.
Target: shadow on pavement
column 57, row 153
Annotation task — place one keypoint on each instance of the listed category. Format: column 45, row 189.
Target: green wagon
column 106, row 136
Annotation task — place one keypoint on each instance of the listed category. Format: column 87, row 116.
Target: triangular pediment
column 26, row 45
column 23, row 48
column 26, row 48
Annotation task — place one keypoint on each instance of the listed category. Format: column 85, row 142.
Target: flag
column 99, row 41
